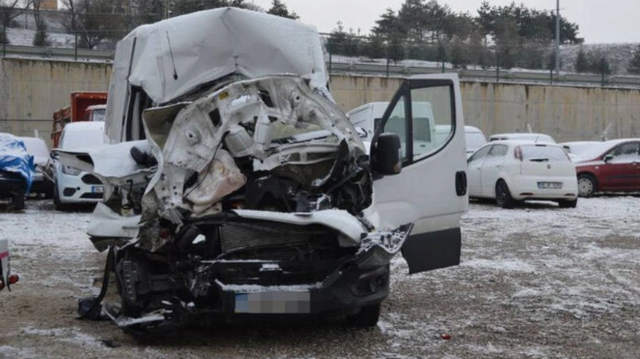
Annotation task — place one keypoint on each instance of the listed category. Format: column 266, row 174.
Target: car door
column 474, row 168
column 621, row 171
column 431, row 190
column 492, row 168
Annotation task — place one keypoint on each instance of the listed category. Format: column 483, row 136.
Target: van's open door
column 431, row 190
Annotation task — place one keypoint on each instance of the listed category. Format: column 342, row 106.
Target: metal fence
column 345, row 53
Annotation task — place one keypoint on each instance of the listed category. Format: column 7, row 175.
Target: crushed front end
column 245, row 200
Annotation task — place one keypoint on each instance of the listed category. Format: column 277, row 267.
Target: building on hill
column 49, row 5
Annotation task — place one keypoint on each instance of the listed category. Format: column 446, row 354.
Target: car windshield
column 581, row 148
column 597, row 150
column 82, row 138
column 544, row 153
column 99, row 115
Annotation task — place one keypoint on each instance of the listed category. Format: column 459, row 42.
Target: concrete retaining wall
column 31, row 90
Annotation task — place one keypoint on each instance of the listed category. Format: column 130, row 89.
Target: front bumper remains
column 226, row 291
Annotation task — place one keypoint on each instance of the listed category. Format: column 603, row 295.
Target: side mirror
column 387, row 156
column 608, row 158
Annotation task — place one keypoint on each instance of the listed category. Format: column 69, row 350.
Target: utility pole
column 558, row 37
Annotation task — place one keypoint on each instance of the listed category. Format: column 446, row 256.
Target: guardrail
column 490, row 75
column 494, row 75
column 57, row 52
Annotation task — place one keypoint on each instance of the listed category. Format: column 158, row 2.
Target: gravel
column 535, row 282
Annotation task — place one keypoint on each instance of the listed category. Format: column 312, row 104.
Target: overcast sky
column 600, row 21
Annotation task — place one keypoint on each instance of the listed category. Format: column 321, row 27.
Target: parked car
column 73, row 186
column 474, row 139
column 534, row 137
column 512, row 171
column 611, row 166
column 6, row 278
column 37, row 148
column 16, row 172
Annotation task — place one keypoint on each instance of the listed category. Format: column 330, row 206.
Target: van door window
column 433, row 120
column 397, row 124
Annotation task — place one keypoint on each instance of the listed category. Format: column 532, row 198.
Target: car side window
column 498, row 151
column 480, row 154
column 433, row 120
column 627, row 152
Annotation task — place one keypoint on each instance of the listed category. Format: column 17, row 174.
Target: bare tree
column 9, row 10
column 94, row 21
column 41, row 37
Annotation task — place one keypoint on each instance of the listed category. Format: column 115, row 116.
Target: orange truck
column 85, row 106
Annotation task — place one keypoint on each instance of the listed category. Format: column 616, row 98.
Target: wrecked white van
column 235, row 186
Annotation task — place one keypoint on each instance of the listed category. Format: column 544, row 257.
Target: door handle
column 461, row 183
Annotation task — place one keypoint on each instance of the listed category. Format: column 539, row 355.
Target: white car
column 512, row 171
column 37, row 148
column 534, row 137
column 474, row 139
column 73, row 186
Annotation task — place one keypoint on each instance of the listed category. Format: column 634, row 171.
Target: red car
column 613, row 166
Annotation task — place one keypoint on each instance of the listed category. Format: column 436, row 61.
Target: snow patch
column 500, row 265
column 68, row 335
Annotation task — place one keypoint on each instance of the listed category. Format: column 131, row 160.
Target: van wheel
column 568, row 204
column 503, row 195
column 367, row 318
column 587, row 185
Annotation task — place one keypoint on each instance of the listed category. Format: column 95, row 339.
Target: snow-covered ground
column 535, row 282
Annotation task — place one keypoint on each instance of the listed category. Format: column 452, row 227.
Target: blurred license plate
column 273, row 303
column 550, row 185
column 97, row 189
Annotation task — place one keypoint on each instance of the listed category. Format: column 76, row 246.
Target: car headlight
column 70, row 171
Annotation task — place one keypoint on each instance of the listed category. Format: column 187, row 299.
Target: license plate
column 273, row 303
column 550, row 185
column 97, row 189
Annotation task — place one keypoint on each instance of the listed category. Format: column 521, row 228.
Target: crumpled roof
column 14, row 158
column 208, row 45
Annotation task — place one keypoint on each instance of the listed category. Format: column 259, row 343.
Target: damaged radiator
column 238, row 236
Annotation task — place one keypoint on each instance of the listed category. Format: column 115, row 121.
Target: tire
column 367, row 318
column 568, row 204
column 503, row 195
column 587, row 185
column 18, row 199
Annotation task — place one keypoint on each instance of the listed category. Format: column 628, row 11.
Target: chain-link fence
column 94, row 36
column 459, row 55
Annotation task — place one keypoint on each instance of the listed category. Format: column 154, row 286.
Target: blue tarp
column 14, row 158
